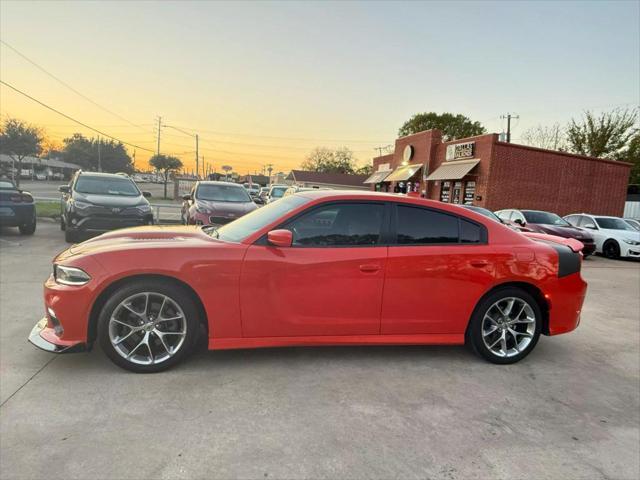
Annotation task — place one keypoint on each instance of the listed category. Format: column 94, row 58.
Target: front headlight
column 80, row 205
column 70, row 275
column 145, row 208
column 631, row 242
column 202, row 209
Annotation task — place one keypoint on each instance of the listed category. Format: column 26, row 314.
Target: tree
column 603, row 136
column 551, row 138
column 166, row 164
column 18, row 140
column 452, row 126
column 632, row 155
column 97, row 154
column 365, row 169
column 326, row 160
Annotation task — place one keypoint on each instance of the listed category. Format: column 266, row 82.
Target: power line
column 62, row 82
column 73, row 119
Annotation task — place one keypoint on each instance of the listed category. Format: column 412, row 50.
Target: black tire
column 28, row 228
column 474, row 336
column 71, row 236
column 177, row 294
column 63, row 226
column 611, row 249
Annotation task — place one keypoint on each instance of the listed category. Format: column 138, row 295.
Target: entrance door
column 437, row 268
column 329, row 282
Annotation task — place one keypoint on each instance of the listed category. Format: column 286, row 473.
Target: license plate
column 6, row 212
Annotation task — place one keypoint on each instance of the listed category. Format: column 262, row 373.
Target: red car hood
column 141, row 237
column 572, row 243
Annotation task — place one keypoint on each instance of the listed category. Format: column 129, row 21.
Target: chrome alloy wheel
column 147, row 328
column 508, row 327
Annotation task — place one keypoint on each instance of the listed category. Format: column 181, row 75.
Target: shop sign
column 469, row 192
column 460, row 151
column 384, row 167
column 445, row 191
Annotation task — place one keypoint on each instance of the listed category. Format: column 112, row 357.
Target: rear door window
column 420, row 226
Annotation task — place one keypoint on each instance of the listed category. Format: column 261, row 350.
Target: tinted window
column 470, row 232
column 222, row 193
column 339, row 225
column 244, row 226
column 106, row 186
column 613, row 224
column 420, row 226
column 545, row 218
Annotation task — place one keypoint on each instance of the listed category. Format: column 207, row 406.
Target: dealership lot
column 570, row 410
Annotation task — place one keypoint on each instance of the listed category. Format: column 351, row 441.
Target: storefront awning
column 378, row 177
column 454, row 170
column 401, row 174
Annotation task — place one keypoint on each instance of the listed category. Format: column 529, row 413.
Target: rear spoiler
column 575, row 245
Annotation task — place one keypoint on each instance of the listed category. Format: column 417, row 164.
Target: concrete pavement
column 571, row 410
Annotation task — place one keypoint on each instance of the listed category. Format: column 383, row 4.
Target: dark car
column 95, row 203
column 17, row 208
column 546, row 222
column 216, row 203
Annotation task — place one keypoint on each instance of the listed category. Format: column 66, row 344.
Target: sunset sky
column 267, row 82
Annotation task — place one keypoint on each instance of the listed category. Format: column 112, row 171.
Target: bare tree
column 552, row 137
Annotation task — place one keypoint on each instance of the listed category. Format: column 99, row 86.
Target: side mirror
column 280, row 238
column 258, row 201
column 519, row 221
column 590, row 226
column 186, row 197
column 63, row 188
column 146, row 194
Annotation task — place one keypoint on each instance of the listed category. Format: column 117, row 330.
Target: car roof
column 103, row 175
column 213, row 182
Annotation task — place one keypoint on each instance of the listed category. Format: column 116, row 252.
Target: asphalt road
column 571, row 410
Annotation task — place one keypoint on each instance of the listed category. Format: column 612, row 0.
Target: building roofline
column 566, row 154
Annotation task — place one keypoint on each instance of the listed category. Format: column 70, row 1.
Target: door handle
column 479, row 263
column 370, row 268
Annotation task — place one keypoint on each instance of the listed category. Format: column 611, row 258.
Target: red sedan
column 315, row 268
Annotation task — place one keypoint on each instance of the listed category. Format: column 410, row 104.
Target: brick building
column 496, row 175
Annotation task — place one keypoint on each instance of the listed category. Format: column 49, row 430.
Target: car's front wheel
column 29, row 228
column 505, row 326
column 148, row 326
column 611, row 249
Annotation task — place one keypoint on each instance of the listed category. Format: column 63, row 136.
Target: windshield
column 106, row 186
column 613, row 224
column 545, row 218
column 222, row 193
column 485, row 212
column 277, row 192
column 241, row 228
column 5, row 184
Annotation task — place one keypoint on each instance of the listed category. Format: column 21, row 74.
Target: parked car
column 633, row 222
column 546, row 222
column 264, row 193
column 276, row 192
column 295, row 189
column 484, row 211
column 215, row 203
column 315, row 268
column 17, row 208
column 614, row 238
column 95, row 203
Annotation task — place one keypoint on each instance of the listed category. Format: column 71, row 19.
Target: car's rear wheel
column 505, row 326
column 611, row 249
column 148, row 326
column 29, row 228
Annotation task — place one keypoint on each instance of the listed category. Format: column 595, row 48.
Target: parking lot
column 570, row 410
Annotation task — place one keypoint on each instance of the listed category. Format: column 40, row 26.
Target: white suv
column 613, row 236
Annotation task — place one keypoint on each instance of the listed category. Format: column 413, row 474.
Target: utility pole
column 509, row 117
column 269, row 169
column 197, row 154
column 134, row 159
column 99, row 158
column 159, row 127
column 203, row 168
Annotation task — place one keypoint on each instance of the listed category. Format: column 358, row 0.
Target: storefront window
column 469, row 192
column 445, row 190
